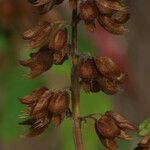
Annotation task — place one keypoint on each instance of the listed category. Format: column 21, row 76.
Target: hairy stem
column 75, row 87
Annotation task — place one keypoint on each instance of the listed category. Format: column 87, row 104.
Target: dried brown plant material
column 58, row 39
column 109, row 7
column 42, row 104
column 43, row 107
column 39, row 62
column 109, row 69
column 59, row 57
column 35, row 30
column 108, row 128
column 87, row 11
column 90, row 86
column 57, row 119
column 120, row 17
column 87, row 68
column 111, row 26
column 108, row 86
column 34, row 96
column 144, row 144
column 59, row 102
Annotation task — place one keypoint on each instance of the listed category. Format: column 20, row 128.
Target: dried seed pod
column 57, row 119
column 42, row 104
column 39, row 62
column 34, row 31
column 107, row 67
column 59, row 102
column 108, row 24
column 59, row 39
column 87, row 68
column 90, row 86
column 120, row 120
column 107, row 127
column 120, row 18
column 108, row 86
column 109, row 7
column 34, row 96
column 39, row 126
column 41, row 38
column 87, row 11
column 59, row 57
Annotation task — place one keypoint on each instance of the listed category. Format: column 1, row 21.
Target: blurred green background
column 14, row 83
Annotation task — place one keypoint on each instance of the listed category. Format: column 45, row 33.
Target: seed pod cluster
column 100, row 73
column 109, row 14
column 44, row 107
column 110, row 126
column 45, row 5
column 54, row 48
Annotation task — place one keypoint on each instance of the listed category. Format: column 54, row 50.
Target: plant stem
column 75, row 87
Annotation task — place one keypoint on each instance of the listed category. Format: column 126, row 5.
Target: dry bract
column 59, row 102
column 39, row 62
column 58, row 39
column 87, row 68
column 90, row 86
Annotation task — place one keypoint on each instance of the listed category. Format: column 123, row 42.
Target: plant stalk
column 75, row 87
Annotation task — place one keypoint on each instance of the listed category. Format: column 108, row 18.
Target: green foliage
column 14, row 87
column 144, row 127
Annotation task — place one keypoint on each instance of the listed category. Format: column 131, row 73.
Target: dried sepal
column 57, row 119
column 40, row 39
column 39, row 62
column 59, row 57
column 120, row 17
column 90, row 86
column 34, row 31
column 42, row 103
column 111, row 26
column 120, row 120
column 108, row 7
column 58, row 39
column 109, row 69
column 87, row 11
column 108, row 86
column 34, row 96
column 87, row 68
column 59, row 102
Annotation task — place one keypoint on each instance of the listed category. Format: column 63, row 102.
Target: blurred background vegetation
column 131, row 52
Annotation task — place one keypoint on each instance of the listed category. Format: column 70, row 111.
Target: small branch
column 75, row 87
column 91, row 116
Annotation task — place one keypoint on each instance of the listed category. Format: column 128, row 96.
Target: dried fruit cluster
column 110, row 14
column 100, row 73
column 93, row 73
column 110, row 126
column 44, row 106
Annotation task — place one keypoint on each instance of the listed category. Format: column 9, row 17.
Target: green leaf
column 144, row 127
